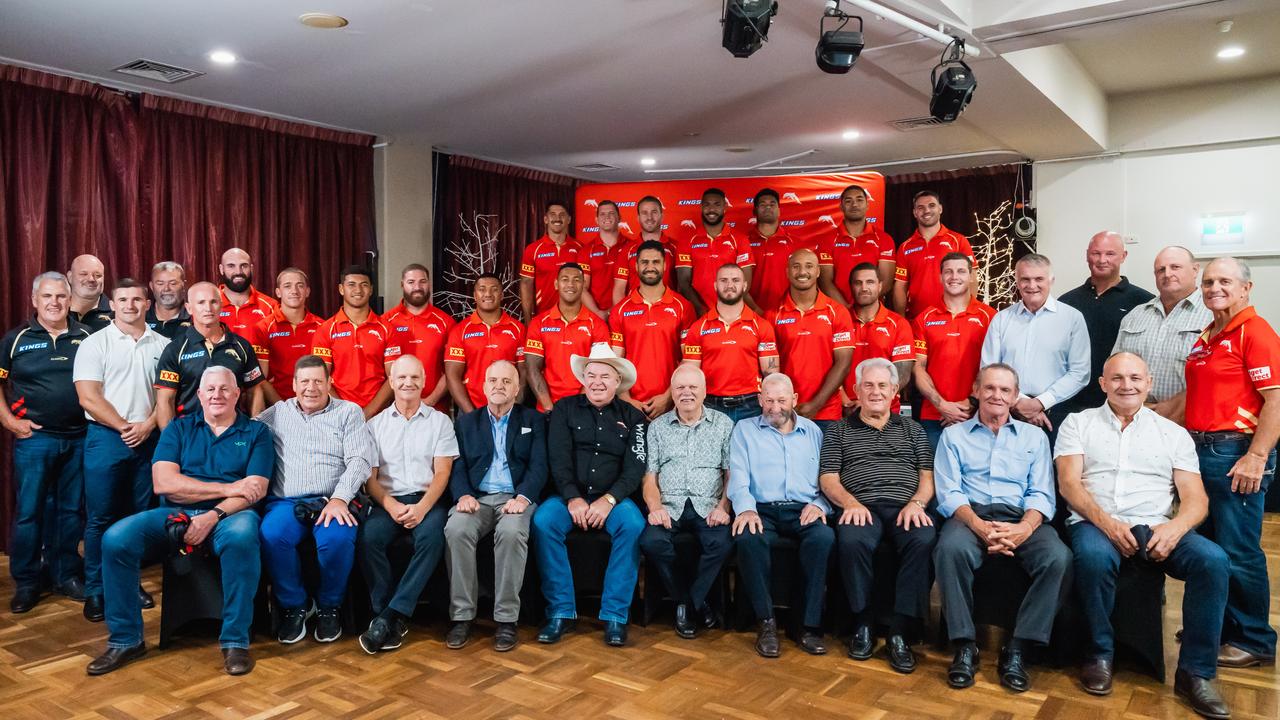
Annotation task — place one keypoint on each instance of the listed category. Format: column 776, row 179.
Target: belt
column 1218, row 436
column 733, row 400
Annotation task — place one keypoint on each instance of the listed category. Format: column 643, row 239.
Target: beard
column 417, row 298
column 237, row 283
column 712, row 218
column 729, row 299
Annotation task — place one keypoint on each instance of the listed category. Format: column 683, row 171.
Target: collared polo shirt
column 1102, row 316
column 877, row 465
column 976, row 466
column 125, row 367
column 171, row 328
column 96, row 317
column 553, row 338
column 541, row 262
column 242, row 319
column 769, row 281
column 843, row 253
column 625, row 267
column 602, row 262
column 920, row 267
column 650, row 336
column 1227, row 372
column 766, row 466
column 704, row 255
column 185, row 358
column 241, row 451
column 356, row 352
column 955, row 341
column 408, row 446
column 807, row 341
column 424, row 336
column 730, row 353
column 37, row 370
column 887, row 335
column 279, row 343
column 1164, row 340
column 477, row 345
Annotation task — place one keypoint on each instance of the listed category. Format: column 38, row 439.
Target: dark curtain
column 138, row 179
column 485, row 214
column 979, row 203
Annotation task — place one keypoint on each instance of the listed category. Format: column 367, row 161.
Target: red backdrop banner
column 810, row 203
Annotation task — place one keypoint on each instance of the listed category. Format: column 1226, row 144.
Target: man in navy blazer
column 498, row 476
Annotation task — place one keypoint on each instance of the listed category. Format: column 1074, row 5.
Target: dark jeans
column 960, row 553
column 1196, row 560
column 737, row 408
column 1235, row 523
column 552, row 523
column 335, row 552
column 756, row 562
column 658, row 544
column 933, row 431
column 47, row 466
column 378, row 532
column 117, row 483
column 856, row 548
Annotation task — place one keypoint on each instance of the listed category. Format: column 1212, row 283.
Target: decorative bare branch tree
column 476, row 253
column 996, row 250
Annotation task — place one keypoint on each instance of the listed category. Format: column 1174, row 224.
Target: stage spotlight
column 837, row 49
column 746, row 25
column 954, row 86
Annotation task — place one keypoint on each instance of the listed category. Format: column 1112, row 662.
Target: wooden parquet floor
column 43, row 655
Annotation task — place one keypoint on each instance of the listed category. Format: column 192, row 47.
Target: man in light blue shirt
column 994, row 480
column 773, row 485
column 1045, row 341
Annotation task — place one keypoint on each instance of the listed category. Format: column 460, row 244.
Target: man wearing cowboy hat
column 596, row 454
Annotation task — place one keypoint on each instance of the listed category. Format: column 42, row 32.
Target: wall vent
column 595, row 167
column 157, row 71
column 916, row 123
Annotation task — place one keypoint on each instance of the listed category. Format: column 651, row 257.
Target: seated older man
column 211, row 467
column 595, row 448
column 994, row 480
column 877, row 468
column 688, row 463
column 773, row 485
column 324, row 454
column 1120, row 467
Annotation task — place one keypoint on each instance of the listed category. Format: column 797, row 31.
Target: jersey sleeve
column 454, row 350
column 691, row 347
column 900, row 272
column 921, row 344
column 967, row 249
column 767, row 345
column 258, row 334
column 1262, row 356
column 250, row 370
column 526, row 261
column 6, row 353
column 827, row 251
column 520, row 346
column 903, row 343
column 841, row 328
column 167, row 369
column 617, row 338
column 322, row 343
column 533, row 338
column 599, row 332
column 743, row 255
column 169, row 446
column 684, row 253
column 397, row 340
column 886, row 248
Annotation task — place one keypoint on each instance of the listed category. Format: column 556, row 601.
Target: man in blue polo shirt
column 213, row 466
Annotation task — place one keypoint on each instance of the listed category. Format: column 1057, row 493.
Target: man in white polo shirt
column 113, row 374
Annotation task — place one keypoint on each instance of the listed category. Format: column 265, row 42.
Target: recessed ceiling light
column 648, row 162
column 850, row 134
column 1230, row 52
column 323, row 21
column 223, row 57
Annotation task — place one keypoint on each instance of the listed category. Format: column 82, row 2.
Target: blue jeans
column 551, row 523
column 47, row 466
column 1196, row 560
column 933, row 431
column 117, row 483
column 141, row 539
column 335, row 550
column 1235, row 523
column 736, row 412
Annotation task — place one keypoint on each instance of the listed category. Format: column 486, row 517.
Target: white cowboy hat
column 602, row 353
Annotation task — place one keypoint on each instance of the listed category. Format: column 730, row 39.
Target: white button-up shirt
column 1129, row 472
column 408, row 447
column 125, row 367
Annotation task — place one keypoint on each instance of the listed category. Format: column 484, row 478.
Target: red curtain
column 140, row 179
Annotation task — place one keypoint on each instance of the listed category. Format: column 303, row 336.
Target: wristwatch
column 611, row 499
column 222, row 514
column 922, row 507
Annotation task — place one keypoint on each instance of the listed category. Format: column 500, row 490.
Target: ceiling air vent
column 915, row 123
column 595, row 167
column 160, row 72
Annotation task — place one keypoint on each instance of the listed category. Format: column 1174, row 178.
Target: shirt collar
column 499, row 421
column 1050, row 305
column 882, row 314
column 800, row 427
column 1114, row 419
column 822, row 302
column 855, row 420
column 422, row 410
column 976, row 422
column 1237, row 320
column 675, row 418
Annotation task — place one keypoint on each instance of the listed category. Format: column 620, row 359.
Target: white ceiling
column 558, row 83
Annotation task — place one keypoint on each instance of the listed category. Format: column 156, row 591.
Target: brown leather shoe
column 767, row 639
column 1095, row 676
column 115, row 658
column 236, row 661
column 1201, row 695
column 1233, row 657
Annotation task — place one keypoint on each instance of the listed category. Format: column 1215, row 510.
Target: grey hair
column 1242, row 268
column 1001, row 366
column 872, row 364
column 216, row 370
column 169, row 266
column 777, row 378
column 1035, row 259
column 51, row 275
column 686, row 367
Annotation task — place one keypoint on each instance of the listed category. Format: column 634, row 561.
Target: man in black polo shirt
column 1103, row 299
column 43, row 412
column 89, row 305
column 168, row 315
column 877, row 467
column 207, row 342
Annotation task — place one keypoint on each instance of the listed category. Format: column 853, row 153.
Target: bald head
column 778, row 401
column 204, row 302
column 1176, row 272
column 86, row 276
column 407, row 378
column 688, row 391
column 1126, row 382
column 1105, row 255
column 236, row 270
column 501, row 386
column 802, row 269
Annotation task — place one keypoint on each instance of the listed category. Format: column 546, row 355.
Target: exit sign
column 1222, row 230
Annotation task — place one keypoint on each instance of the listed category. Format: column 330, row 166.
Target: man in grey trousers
column 498, row 476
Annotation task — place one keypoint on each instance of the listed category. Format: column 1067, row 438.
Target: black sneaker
column 293, row 626
column 375, row 638
column 328, row 625
column 398, row 630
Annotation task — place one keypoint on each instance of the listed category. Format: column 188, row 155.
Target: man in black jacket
column 496, row 480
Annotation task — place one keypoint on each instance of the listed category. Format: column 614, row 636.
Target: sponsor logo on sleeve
column 1259, row 374
column 168, row 376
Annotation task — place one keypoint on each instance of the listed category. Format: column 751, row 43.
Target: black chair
column 191, row 592
column 1137, row 619
column 837, row 617
column 786, row 588
column 589, row 558
column 688, row 552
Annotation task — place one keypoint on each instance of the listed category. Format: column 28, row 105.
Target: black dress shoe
column 684, row 626
column 73, row 588
column 901, row 659
column 24, row 599
column 145, row 598
column 1095, row 676
column 1013, row 671
column 115, row 658
column 459, row 635
column 1201, row 695
column 767, row 639
column 555, row 629
column 505, row 637
column 236, row 661
column 862, row 644
column 963, row 666
column 93, row 610
column 615, row 633
column 709, row 619
column 812, row 642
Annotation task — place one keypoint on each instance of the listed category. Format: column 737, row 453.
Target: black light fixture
column 952, row 87
column 837, row 49
column 746, row 25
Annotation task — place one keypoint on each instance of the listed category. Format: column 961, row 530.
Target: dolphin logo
column 625, row 226
column 791, row 197
column 688, row 224
column 591, row 203
column 827, row 219
column 751, row 221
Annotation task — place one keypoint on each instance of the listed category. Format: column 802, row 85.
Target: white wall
column 402, row 206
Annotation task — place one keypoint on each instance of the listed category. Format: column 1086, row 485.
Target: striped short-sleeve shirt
column 877, row 465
